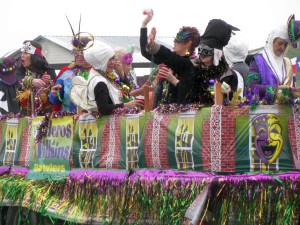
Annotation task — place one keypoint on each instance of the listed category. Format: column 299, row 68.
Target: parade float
column 236, row 164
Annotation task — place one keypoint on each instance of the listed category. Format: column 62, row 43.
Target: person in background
column 8, row 86
column 105, row 92
column 59, row 95
column 169, row 89
column 248, row 61
column 124, row 69
column 270, row 70
column 36, row 77
column 235, row 53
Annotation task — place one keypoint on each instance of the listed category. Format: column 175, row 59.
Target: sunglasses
column 205, row 50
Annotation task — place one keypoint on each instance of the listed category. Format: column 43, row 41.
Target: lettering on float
column 54, row 147
column 49, row 168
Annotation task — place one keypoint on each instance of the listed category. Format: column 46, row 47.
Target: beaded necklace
column 80, row 71
column 116, row 82
column 133, row 85
column 213, row 72
column 112, row 78
column 40, row 94
column 28, row 72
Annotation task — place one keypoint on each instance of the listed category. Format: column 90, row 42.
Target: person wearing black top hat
column 195, row 74
column 211, row 58
column 8, row 86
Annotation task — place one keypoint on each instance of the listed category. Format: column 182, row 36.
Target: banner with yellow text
column 49, row 159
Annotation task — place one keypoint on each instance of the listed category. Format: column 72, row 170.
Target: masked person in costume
column 211, row 58
column 105, row 91
column 169, row 89
column 195, row 74
column 123, row 67
column 36, row 77
column 8, row 86
column 270, row 70
column 59, row 95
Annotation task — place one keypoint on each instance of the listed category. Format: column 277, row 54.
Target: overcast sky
column 26, row 19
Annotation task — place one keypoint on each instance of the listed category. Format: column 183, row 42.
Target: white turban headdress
column 98, row 55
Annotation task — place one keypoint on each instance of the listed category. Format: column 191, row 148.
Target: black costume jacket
column 166, row 92
column 8, row 102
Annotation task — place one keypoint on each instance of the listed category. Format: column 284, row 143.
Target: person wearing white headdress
column 235, row 53
column 104, row 90
column 270, row 69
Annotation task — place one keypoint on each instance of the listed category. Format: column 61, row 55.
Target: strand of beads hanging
column 26, row 86
column 133, row 85
column 213, row 72
column 42, row 129
column 41, row 96
column 125, row 92
column 44, row 126
column 116, row 81
column 79, row 71
column 84, row 73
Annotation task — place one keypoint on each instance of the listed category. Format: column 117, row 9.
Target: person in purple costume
column 270, row 70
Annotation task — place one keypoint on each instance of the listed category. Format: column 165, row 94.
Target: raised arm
column 144, row 34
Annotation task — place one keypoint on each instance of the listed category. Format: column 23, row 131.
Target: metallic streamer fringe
column 156, row 196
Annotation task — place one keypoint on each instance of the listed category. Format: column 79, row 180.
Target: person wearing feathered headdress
column 59, row 95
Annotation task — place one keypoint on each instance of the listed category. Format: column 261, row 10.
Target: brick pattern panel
column 228, row 141
column 163, row 157
column 227, row 136
column 206, row 156
column 148, row 143
column 228, row 149
column 164, row 136
column 105, row 144
column 25, row 146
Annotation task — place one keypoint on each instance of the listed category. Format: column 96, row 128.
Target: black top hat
column 217, row 34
